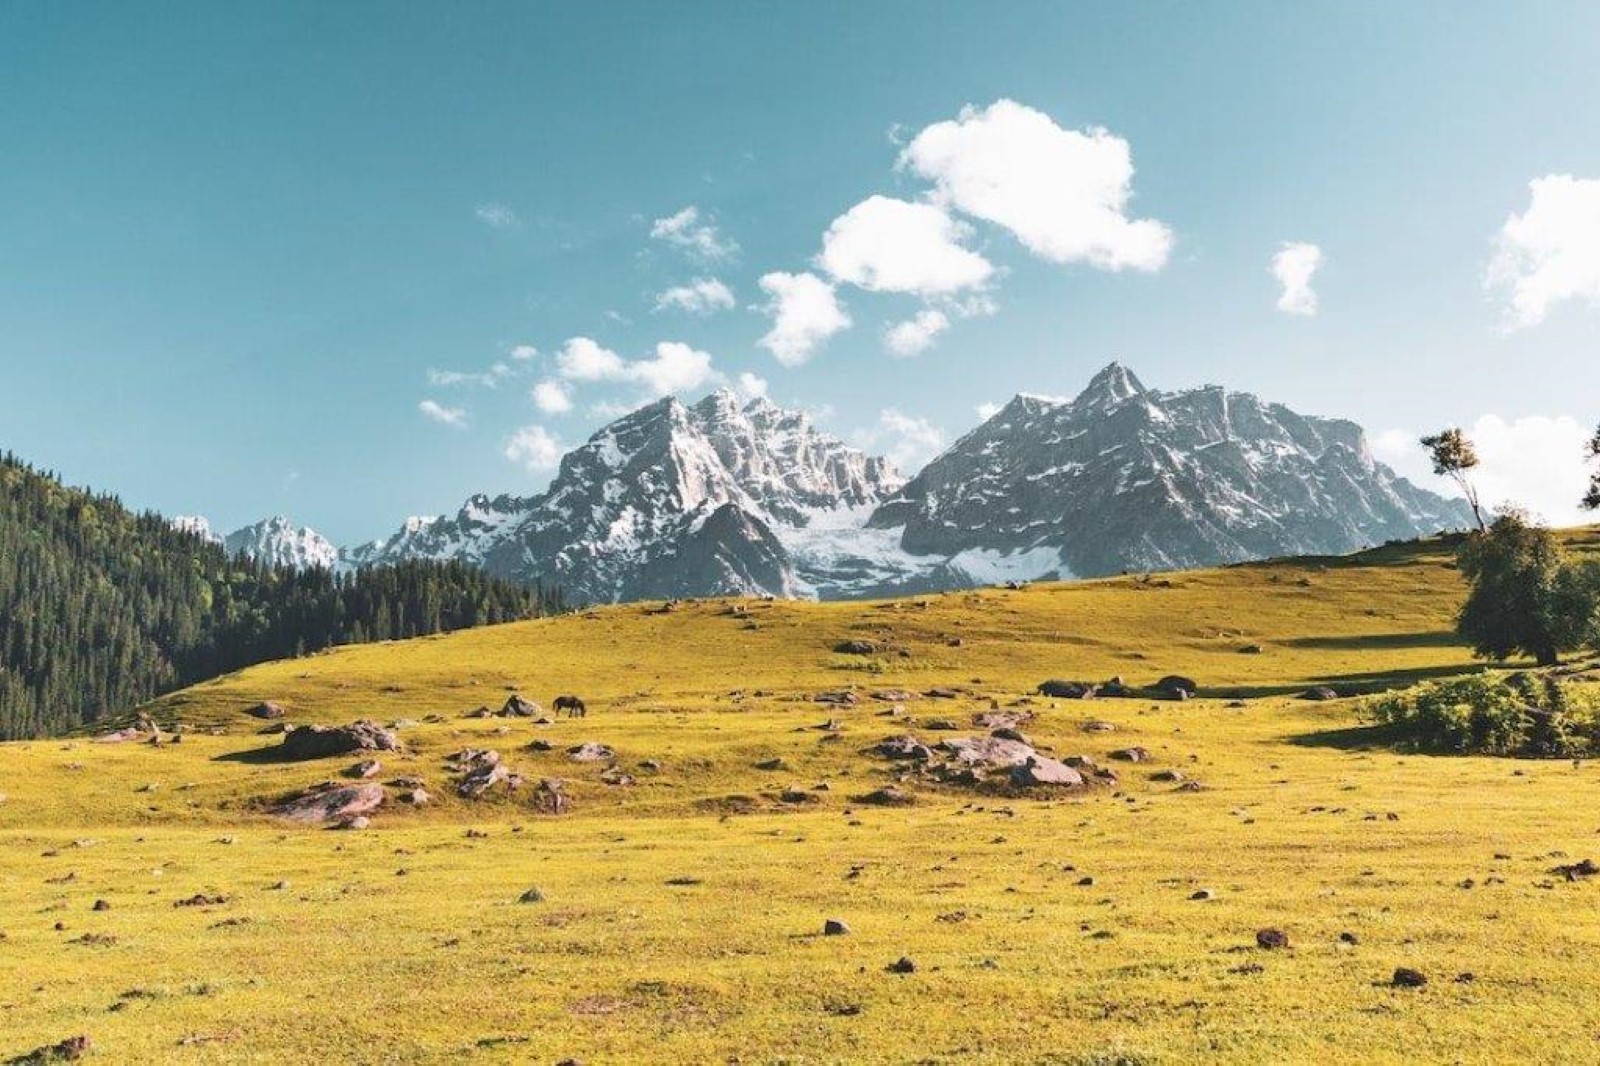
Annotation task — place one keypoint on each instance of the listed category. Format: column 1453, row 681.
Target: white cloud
column 522, row 353
column 496, row 216
column 534, row 448
column 445, row 416
column 749, row 386
column 915, row 335
column 805, row 312
column 909, row 442
column 582, row 359
column 1063, row 193
column 487, row 379
column 702, row 296
column 552, row 397
column 1294, row 266
column 1535, row 462
column 888, row 245
column 696, row 236
column 1551, row 252
column 675, row 367
column 987, row 411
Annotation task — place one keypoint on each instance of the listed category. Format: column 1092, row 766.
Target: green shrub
column 1492, row 714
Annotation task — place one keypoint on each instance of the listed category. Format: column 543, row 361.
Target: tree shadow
column 1350, row 738
column 1378, row 641
column 1355, row 684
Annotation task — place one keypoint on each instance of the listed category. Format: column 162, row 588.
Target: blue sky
column 241, row 246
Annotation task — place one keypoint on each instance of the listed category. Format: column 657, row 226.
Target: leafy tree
column 1591, row 499
column 1454, row 457
column 1525, row 597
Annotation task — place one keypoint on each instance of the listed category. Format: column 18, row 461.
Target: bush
column 1493, row 714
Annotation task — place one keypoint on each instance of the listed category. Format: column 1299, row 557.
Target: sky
column 353, row 262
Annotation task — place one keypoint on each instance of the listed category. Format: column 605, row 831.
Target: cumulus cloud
column 695, row 235
column 702, row 296
column 583, row 359
column 552, row 397
column 888, row 245
column 522, row 353
column 445, row 416
column 1063, row 193
column 1535, row 462
column 749, row 386
column 1294, row 266
column 987, row 411
column 915, row 335
column 1551, row 252
column 909, row 442
column 496, row 216
column 805, row 312
column 534, row 448
column 675, row 367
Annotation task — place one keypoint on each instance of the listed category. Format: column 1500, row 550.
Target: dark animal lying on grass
column 572, row 705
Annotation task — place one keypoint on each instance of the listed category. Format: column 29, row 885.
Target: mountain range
column 729, row 498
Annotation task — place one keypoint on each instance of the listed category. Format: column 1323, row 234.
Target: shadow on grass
column 1357, row 684
column 1378, row 641
column 270, row 755
column 1351, row 738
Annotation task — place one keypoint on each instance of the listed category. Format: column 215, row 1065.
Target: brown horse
column 572, row 705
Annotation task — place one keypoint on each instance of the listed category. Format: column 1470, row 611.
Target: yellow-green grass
column 1304, row 824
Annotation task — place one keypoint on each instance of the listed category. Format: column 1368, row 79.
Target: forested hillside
column 101, row 608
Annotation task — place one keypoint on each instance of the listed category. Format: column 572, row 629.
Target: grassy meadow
column 680, row 915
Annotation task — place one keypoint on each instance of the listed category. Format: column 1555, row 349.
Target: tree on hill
column 1591, row 499
column 1454, row 457
column 102, row 609
column 1525, row 596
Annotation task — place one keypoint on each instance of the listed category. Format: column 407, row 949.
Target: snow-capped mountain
column 1128, row 478
column 669, row 500
column 724, row 498
column 275, row 540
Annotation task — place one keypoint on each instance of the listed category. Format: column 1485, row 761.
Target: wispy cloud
column 695, row 235
column 496, row 216
column 702, row 296
column 445, row 416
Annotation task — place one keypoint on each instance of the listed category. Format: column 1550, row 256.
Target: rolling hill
column 675, row 912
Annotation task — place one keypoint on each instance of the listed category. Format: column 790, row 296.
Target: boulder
column 843, row 698
column 855, row 647
column 330, row 801
column 1131, row 755
column 893, row 695
column 889, row 796
column 1007, row 732
column 550, row 797
column 988, row 751
column 590, row 751
column 267, row 710
column 321, row 741
column 1173, row 684
column 365, row 769
column 1319, row 693
column 1039, row 770
column 1067, row 690
column 480, row 778
column 834, row 927
column 517, row 707
column 1405, row 977
column 902, row 748
column 1272, row 939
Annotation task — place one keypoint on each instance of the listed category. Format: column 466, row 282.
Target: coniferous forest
column 102, row 609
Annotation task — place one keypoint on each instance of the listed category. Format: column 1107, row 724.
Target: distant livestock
column 572, row 705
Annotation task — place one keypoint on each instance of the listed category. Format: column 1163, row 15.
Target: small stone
column 533, row 895
column 834, row 927
column 101, row 905
column 1405, row 977
column 1201, row 895
column 1272, row 939
column 902, row 965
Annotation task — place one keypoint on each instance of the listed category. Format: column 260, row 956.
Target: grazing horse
column 572, row 705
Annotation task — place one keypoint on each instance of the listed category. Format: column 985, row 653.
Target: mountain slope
column 1124, row 477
